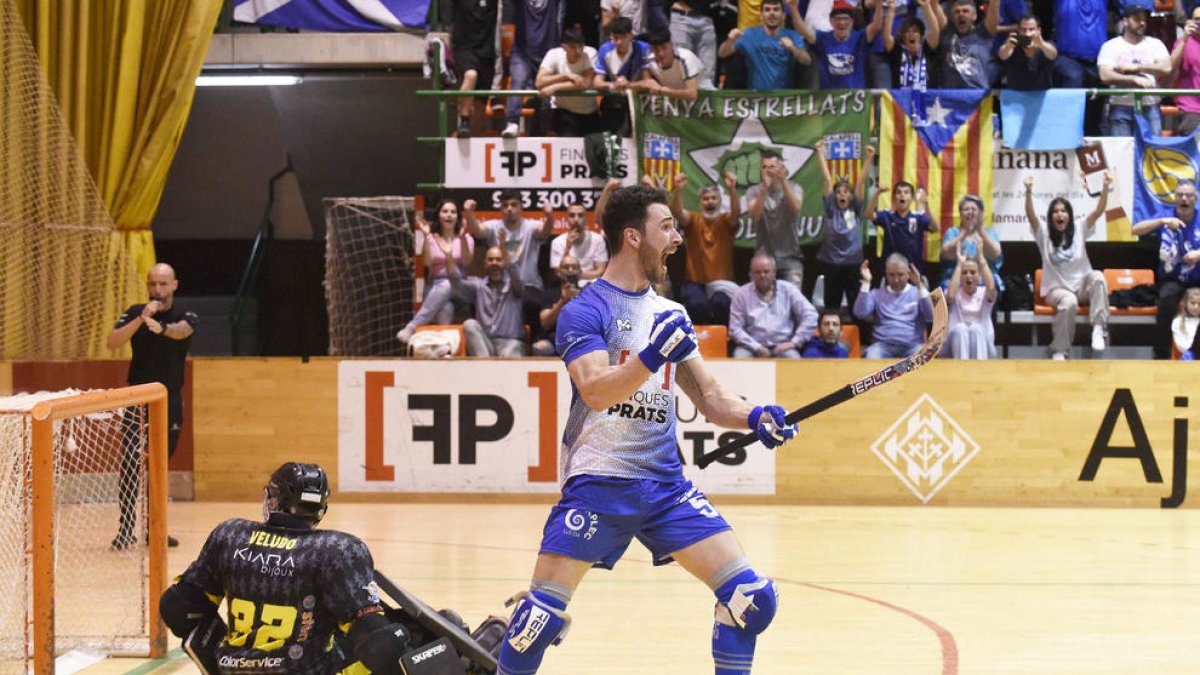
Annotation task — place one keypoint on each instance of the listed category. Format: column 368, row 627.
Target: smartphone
column 1024, row 40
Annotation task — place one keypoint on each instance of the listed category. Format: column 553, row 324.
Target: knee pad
column 535, row 625
column 751, row 607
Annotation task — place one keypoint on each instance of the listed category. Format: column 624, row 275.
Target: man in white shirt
column 673, row 72
column 1132, row 60
column 586, row 246
column 523, row 236
column 570, row 68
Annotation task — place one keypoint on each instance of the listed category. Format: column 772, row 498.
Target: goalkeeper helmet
column 298, row 489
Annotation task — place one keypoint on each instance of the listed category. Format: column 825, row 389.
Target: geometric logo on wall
column 925, row 448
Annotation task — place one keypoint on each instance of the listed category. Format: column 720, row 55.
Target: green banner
column 714, row 134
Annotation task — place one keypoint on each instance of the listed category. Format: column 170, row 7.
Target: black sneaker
column 172, row 542
column 464, row 127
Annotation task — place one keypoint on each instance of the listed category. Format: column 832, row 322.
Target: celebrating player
column 626, row 348
column 292, row 590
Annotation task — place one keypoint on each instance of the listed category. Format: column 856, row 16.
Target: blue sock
column 733, row 647
column 513, row 662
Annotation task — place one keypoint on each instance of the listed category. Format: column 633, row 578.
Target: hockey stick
column 436, row 623
column 937, row 334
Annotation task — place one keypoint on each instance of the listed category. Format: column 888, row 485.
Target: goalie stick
column 425, row 615
column 937, row 334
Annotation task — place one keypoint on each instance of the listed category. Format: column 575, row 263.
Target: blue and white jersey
column 636, row 437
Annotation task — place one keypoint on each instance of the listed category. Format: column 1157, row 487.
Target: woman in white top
column 437, row 308
column 971, row 334
column 1067, row 274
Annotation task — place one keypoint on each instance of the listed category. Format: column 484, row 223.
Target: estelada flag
column 940, row 140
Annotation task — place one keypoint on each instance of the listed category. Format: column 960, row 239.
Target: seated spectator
column 1132, row 61
column 1178, row 233
column 473, row 40
column 904, row 231
column 570, row 68
column 1026, row 59
column 842, row 52
column 899, row 308
column 567, row 276
column 673, row 71
column 497, row 329
column 585, row 246
column 1185, row 63
column 708, row 237
column 842, row 248
column 973, row 237
column 912, row 56
column 619, row 63
column 971, row 334
column 692, row 28
column 966, row 52
column 1067, row 274
column 770, row 49
column 436, row 307
column 826, row 344
column 774, row 208
column 769, row 318
column 1183, row 328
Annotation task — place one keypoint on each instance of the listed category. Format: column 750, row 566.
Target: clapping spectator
column 842, row 248
column 1067, row 274
column 1133, row 61
column 971, row 335
column 708, row 238
column 436, row 307
column 769, row 318
column 899, row 308
column 774, row 208
column 826, row 344
column 973, row 237
column 770, row 49
column 842, row 52
column 570, row 68
column 1027, row 60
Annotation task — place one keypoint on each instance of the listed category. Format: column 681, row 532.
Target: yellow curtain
column 124, row 72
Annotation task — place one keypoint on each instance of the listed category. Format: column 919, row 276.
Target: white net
column 101, row 560
column 368, row 273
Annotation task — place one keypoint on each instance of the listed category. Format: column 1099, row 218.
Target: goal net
column 65, row 277
column 369, row 286
column 60, row 536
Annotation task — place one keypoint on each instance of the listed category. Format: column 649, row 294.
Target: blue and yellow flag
column 1159, row 163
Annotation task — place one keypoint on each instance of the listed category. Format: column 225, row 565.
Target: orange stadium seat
column 714, row 341
column 1121, row 279
column 1039, row 302
column 851, row 340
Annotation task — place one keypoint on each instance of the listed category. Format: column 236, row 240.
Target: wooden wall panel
column 5, row 378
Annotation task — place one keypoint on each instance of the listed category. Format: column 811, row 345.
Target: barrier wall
column 997, row 433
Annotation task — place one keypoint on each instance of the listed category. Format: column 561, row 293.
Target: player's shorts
column 598, row 516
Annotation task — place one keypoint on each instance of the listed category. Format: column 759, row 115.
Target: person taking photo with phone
column 1026, row 58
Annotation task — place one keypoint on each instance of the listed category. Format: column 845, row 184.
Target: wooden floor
column 864, row 589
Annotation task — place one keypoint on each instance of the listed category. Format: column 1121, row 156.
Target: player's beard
column 654, row 264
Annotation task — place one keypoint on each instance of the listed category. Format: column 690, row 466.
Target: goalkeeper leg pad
column 201, row 644
column 746, row 604
column 537, row 622
column 379, row 643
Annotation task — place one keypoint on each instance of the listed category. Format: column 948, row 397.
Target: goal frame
column 42, row 499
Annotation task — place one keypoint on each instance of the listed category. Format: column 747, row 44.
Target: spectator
column 1132, row 60
column 769, row 318
column 672, row 72
column 570, row 68
column 1183, row 328
column 567, row 278
column 633, row 10
column 523, row 237
column 899, row 308
column 971, row 335
column 910, row 56
column 842, row 248
column 769, row 49
column 842, row 52
column 1179, row 251
column 1067, row 274
column 692, row 29
column 966, row 49
column 826, row 344
column 774, row 208
column 619, row 63
column 1026, row 59
column 497, row 329
column 972, row 235
column 1080, row 29
column 904, row 231
column 1185, row 63
column 585, row 246
column 536, row 32
column 708, row 238
column 436, row 307
column 473, row 40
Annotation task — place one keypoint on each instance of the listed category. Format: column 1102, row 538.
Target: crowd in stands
column 677, row 47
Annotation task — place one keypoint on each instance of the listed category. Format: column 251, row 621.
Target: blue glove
column 671, row 339
column 770, row 425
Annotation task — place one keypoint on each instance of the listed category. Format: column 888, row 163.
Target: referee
column 159, row 333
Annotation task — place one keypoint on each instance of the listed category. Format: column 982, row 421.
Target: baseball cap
column 1133, row 7
column 841, row 7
